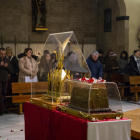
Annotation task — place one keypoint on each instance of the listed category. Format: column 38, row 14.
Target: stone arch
column 122, row 7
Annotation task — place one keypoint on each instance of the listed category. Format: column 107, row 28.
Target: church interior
column 69, row 70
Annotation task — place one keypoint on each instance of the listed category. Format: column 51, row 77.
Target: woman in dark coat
column 135, row 63
column 45, row 66
column 107, row 56
column 123, row 62
column 53, row 59
column 111, row 66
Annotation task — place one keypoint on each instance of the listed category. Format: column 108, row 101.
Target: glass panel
column 61, row 58
column 108, row 96
column 80, row 95
column 94, row 98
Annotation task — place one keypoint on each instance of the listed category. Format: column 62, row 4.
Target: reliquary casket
column 93, row 101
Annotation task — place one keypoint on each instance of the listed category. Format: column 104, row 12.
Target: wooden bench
column 135, row 81
column 20, row 88
column 120, row 79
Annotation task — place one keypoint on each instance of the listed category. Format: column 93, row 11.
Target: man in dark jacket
column 95, row 66
column 14, row 63
column 5, row 69
column 135, row 63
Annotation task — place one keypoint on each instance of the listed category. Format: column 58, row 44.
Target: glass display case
column 60, row 59
column 93, row 101
column 59, row 68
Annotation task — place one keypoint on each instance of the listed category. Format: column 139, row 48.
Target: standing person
column 71, row 63
column 95, row 66
column 41, row 57
column 5, row 69
column 111, row 66
column 24, row 54
column 53, row 59
column 135, row 63
column 108, row 56
column 123, row 62
column 101, row 58
column 14, row 62
column 45, row 66
column 27, row 66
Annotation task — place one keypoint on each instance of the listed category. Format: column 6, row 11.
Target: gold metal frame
column 98, row 116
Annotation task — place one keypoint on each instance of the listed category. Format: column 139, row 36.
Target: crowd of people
column 15, row 69
column 109, row 64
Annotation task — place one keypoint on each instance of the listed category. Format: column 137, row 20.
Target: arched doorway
column 118, row 38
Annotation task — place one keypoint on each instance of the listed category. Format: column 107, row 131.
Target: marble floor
column 15, row 123
column 12, row 122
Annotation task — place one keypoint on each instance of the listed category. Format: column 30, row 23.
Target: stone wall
column 79, row 16
column 133, row 10
column 116, row 39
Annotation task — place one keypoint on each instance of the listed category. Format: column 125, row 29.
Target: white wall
column 39, row 48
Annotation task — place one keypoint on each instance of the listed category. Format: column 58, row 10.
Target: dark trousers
column 3, row 91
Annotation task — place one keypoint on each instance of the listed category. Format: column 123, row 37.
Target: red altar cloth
column 38, row 122
column 67, row 127
column 43, row 124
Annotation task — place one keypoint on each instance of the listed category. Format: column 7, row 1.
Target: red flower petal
column 12, row 131
column 83, row 78
column 102, row 80
column 21, row 130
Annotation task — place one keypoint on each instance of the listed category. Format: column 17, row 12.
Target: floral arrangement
column 91, row 80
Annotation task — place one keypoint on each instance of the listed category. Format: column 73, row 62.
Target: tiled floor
column 12, row 122
column 16, row 123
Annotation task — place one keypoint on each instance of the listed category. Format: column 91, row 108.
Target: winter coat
column 4, row 71
column 23, row 54
column 44, row 69
column 105, row 59
column 75, row 68
column 96, row 68
column 109, row 68
column 122, row 63
column 26, row 69
column 14, row 63
column 134, row 71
